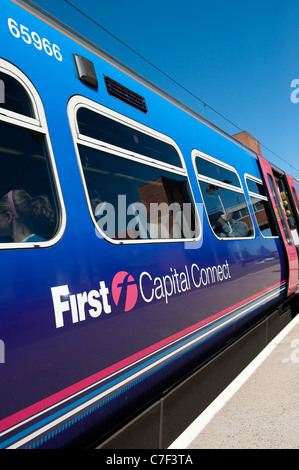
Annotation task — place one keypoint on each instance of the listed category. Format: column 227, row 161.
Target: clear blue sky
column 238, row 57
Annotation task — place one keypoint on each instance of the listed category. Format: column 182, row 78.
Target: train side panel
column 95, row 330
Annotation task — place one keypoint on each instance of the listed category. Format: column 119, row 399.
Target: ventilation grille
column 124, row 94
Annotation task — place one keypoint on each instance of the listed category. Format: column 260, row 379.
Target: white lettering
column 76, row 303
column 220, row 273
column 93, row 302
column 141, row 287
column 227, row 268
column 59, row 306
column 168, row 287
column 194, row 266
column 21, row 31
column 74, row 308
column 210, row 274
column 159, row 293
column 185, row 285
column 172, row 459
column 121, row 460
column 82, row 299
column 104, row 291
column 80, row 306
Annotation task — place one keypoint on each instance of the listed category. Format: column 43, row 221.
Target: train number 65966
column 33, row 38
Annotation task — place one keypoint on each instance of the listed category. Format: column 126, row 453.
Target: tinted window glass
column 279, row 210
column 217, row 172
column 114, row 133
column 295, row 198
column 255, row 187
column 227, row 211
column 24, row 169
column 261, row 208
column 14, row 96
column 131, row 200
column 263, row 217
column 226, row 208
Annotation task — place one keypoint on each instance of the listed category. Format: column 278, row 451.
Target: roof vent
column 124, row 94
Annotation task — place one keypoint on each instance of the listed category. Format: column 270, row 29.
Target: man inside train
column 232, row 227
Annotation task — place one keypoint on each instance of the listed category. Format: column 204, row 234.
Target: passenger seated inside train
column 24, row 218
column 230, row 227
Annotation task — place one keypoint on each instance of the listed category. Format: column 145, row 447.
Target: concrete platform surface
column 260, row 408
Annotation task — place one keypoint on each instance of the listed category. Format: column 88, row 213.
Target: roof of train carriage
column 98, row 51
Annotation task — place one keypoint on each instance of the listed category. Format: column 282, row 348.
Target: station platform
column 260, row 408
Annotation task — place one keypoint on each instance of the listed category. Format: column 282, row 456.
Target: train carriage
column 159, row 247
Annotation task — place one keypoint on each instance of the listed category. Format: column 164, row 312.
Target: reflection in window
column 224, row 200
column 15, row 97
column 216, row 172
column 227, row 211
column 255, row 187
column 295, row 198
column 28, row 214
column 280, row 213
column 115, row 133
column 131, row 200
column 132, row 197
column 261, row 208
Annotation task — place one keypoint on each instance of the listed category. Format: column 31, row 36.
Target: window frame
column 239, row 189
column 38, row 124
column 295, row 199
column 263, row 198
column 11, row 116
column 279, row 210
column 78, row 101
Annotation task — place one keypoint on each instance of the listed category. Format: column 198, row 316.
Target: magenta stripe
column 77, row 387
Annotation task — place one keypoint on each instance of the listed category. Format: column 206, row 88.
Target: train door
column 289, row 197
column 291, row 203
column 285, row 233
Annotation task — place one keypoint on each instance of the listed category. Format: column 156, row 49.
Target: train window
column 136, row 184
column 223, row 197
column 29, row 213
column 107, row 130
column 279, row 210
column 217, row 172
column 139, row 186
column 261, row 207
column 295, row 198
column 255, row 186
column 284, row 197
column 15, row 98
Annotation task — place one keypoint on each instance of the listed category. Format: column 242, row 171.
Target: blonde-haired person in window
column 21, row 216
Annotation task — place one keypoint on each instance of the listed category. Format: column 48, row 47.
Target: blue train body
column 96, row 329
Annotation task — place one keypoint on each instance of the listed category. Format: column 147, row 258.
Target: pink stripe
column 67, row 392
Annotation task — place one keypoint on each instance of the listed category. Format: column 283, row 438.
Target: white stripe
column 130, row 378
column 100, row 396
column 205, row 417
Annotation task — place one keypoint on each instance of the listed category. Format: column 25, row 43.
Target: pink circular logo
column 124, row 290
